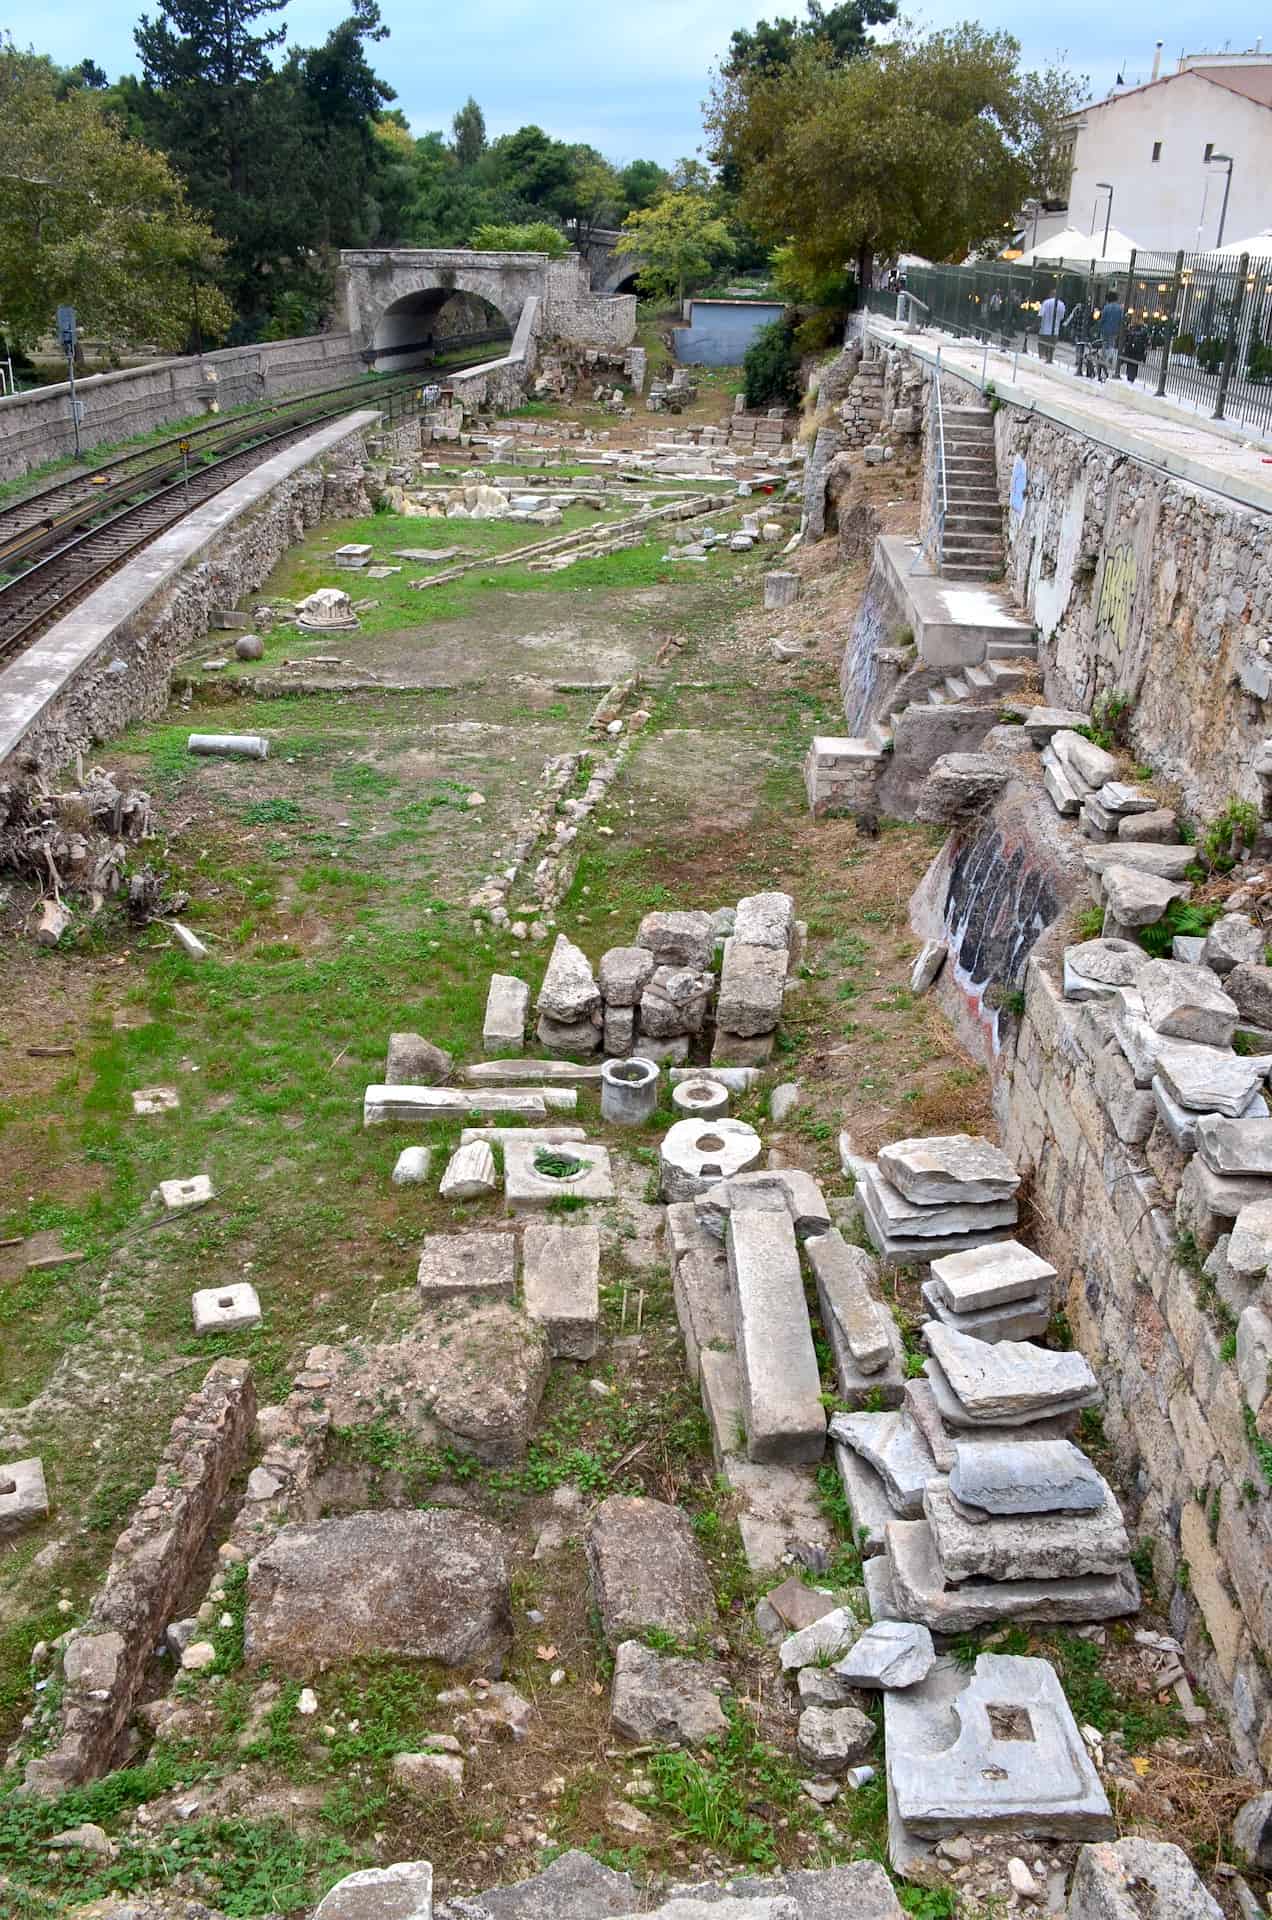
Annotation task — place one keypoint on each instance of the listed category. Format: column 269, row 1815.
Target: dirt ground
column 331, row 882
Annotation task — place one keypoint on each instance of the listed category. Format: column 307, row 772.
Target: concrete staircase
column 972, row 537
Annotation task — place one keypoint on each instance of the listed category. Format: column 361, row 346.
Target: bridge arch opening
column 628, row 284
column 423, row 328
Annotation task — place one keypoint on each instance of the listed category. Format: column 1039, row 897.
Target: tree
column 680, row 240
column 842, row 33
column 640, row 182
column 928, row 144
column 771, row 367
column 469, row 131
column 283, row 159
column 91, row 219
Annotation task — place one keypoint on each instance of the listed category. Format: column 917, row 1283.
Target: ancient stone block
column 1135, row 1879
column 482, row 1264
column 569, row 992
column 507, row 1010
column 697, row 1154
column 1009, row 1381
column 1186, row 1003
column 535, row 1175
column 752, row 980
column 781, row 1386
column 470, row 1173
column 665, row 1701
column 1024, row 1546
column 560, row 1279
column 845, row 1277
column 403, row 1891
column 412, row 1585
column 765, row 920
column 412, row 1061
column 1031, row 1476
column 24, row 1498
column 959, row 1167
column 994, row 1751
column 624, row 972
column 647, row 1570
column 678, row 939
column 890, row 1654
column 226, row 1309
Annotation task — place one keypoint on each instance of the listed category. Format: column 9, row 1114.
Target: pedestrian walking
column 1050, row 320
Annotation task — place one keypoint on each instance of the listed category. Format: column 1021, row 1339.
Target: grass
column 725, row 1795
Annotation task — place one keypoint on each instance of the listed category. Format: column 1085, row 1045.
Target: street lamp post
column 1103, row 186
column 1223, row 159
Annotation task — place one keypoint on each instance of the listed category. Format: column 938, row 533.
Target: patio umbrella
column 1081, row 248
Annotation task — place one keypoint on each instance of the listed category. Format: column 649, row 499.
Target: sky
column 630, row 79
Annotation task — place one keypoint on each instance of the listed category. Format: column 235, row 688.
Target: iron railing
column 1194, row 327
column 935, row 538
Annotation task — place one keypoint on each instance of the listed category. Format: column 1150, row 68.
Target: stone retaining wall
column 1141, row 584
column 103, row 1664
column 37, row 426
column 158, row 607
column 1104, row 1176
column 1148, row 587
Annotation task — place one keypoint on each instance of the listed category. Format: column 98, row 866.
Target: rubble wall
column 154, row 1558
column 125, row 679
column 1103, row 1177
column 37, row 426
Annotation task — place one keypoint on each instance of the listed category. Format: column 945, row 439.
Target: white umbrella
column 1081, row 248
column 1259, row 244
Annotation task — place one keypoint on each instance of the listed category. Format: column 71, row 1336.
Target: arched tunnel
column 420, row 328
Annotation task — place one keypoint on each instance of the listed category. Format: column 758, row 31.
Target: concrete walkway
column 1114, row 414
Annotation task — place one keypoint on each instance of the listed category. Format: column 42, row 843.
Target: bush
column 1184, row 343
column 537, row 236
column 771, row 367
column 1210, row 354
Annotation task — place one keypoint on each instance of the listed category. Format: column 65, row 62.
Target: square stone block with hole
column 994, row 1751
column 529, row 1189
column 24, row 1498
column 177, row 1195
column 561, row 1288
column 226, row 1309
column 481, row 1264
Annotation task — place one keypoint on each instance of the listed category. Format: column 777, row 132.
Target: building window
column 1210, row 147
column 1157, row 151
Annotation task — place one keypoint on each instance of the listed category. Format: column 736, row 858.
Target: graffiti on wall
column 1117, row 594
column 1000, row 897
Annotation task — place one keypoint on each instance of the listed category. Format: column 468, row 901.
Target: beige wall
column 1159, row 204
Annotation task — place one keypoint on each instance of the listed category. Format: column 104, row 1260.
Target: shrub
column 536, row 236
column 771, row 367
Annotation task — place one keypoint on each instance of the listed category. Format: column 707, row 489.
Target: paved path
column 1114, row 414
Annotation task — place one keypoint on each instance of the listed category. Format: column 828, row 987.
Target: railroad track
column 69, row 537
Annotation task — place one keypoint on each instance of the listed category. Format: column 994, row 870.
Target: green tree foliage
column 468, row 130
column 928, row 144
column 92, row 219
column 681, row 241
column 842, row 31
column 640, row 183
column 284, row 160
column 771, row 367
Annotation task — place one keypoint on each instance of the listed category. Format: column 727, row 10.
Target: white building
column 1164, row 149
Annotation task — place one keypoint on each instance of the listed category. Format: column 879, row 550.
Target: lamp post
column 1103, row 186
column 1223, row 159
column 1035, row 208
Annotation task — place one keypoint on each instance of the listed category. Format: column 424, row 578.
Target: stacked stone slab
column 924, row 1199
column 1174, row 1024
column 1023, row 1528
column 1002, row 1291
column 570, row 1016
column 757, row 959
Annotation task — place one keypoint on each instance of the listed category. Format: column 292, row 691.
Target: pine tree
column 469, row 131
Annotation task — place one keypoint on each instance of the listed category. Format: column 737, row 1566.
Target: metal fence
column 1196, row 327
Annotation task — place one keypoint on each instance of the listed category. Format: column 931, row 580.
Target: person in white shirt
column 1050, row 320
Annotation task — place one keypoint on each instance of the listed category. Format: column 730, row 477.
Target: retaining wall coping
column 35, row 679
column 171, row 365
column 1208, row 454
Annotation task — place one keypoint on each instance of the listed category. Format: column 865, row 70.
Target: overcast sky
column 630, row 78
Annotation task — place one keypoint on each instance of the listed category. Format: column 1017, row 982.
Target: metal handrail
column 943, row 498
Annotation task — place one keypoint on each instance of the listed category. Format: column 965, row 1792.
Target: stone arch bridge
column 402, row 302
